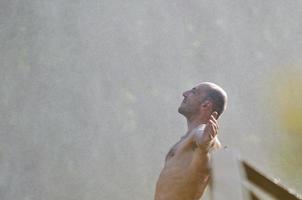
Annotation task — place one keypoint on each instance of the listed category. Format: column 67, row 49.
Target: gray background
column 89, row 90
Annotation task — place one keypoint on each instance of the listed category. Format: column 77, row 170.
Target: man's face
column 192, row 101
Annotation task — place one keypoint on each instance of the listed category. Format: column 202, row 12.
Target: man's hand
column 210, row 131
column 211, row 128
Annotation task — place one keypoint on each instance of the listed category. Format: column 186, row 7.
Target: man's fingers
column 214, row 117
column 211, row 132
column 215, row 114
column 214, row 123
column 214, row 120
column 212, row 129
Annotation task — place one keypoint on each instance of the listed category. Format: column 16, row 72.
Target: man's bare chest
column 184, row 144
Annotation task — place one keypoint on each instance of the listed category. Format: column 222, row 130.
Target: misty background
column 89, row 90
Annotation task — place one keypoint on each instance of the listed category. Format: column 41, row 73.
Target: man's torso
column 186, row 172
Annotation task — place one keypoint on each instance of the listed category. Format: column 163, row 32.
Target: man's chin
column 185, row 112
column 181, row 111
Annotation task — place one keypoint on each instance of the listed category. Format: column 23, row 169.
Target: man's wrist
column 205, row 147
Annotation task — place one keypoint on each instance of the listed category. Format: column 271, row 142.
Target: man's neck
column 195, row 121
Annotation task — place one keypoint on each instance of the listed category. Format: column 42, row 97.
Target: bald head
column 203, row 100
column 215, row 94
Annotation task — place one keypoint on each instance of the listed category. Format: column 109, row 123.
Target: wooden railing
column 234, row 179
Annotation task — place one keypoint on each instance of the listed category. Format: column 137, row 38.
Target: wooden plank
column 266, row 184
column 255, row 193
column 253, row 196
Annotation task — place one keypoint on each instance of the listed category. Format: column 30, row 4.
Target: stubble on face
column 192, row 101
column 188, row 110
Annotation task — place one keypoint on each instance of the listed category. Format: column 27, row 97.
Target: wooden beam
column 267, row 185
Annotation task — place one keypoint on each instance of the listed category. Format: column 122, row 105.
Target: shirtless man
column 186, row 171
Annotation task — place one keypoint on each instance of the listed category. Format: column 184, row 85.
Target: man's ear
column 207, row 104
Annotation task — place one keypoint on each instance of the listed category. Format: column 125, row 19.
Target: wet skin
column 186, row 171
